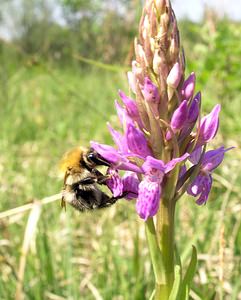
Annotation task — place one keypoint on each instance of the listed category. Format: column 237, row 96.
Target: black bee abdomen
column 87, row 198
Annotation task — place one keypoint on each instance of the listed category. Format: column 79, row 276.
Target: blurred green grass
column 46, row 110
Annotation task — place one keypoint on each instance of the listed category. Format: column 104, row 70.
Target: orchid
column 162, row 131
column 202, row 184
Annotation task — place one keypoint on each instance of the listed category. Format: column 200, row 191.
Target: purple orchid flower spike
column 202, row 184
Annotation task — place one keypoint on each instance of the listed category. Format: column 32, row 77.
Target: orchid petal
column 132, row 81
column 172, row 163
column 136, row 141
column 209, row 125
column 206, row 187
column 150, row 91
column 196, row 155
column 200, row 186
column 179, row 116
column 194, row 108
column 116, row 159
column 148, row 199
column 212, row 159
column 118, row 139
column 130, row 105
column 174, row 76
column 153, row 163
column 115, row 183
column 131, row 109
column 130, row 185
column 188, row 87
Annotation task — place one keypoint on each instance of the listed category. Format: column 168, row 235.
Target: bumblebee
column 81, row 180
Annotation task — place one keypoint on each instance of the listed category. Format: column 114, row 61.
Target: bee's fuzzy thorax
column 72, row 158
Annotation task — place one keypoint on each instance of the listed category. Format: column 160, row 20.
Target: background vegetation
column 53, row 99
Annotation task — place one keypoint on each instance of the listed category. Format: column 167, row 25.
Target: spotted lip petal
column 201, row 187
column 115, row 183
column 148, row 199
column 202, row 184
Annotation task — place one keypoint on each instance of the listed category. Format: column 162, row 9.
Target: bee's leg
column 87, row 180
column 101, row 178
column 107, row 201
column 63, row 204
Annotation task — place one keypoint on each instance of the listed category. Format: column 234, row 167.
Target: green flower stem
column 165, row 236
column 156, row 257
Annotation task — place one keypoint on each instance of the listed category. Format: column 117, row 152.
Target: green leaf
column 185, row 286
column 176, row 285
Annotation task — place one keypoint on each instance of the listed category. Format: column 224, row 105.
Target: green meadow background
column 58, row 85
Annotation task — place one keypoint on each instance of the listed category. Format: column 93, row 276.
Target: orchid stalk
column 163, row 145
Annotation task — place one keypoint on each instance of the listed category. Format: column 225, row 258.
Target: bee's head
column 94, row 159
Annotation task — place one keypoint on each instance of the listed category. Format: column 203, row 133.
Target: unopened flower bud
column 150, row 91
column 174, row 76
column 179, row 116
column 160, row 5
column 188, row 87
column 132, row 81
column 179, row 119
column 209, row 125
column 194, row 108
column 130, row 105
